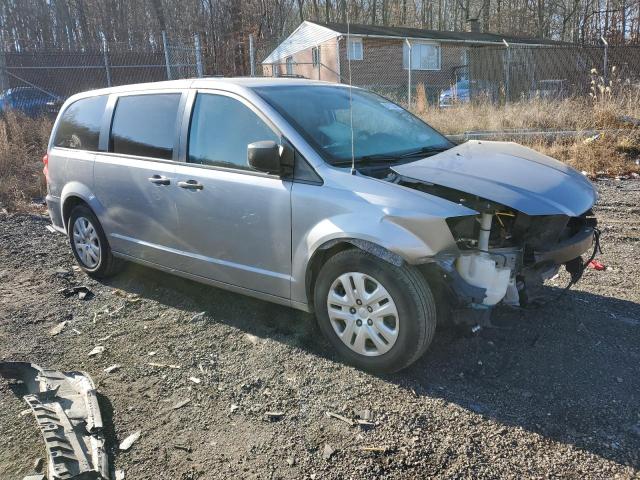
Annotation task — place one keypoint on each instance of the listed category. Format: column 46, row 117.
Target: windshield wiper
column 391, row 157
column 422, row 151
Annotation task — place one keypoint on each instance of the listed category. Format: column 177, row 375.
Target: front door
column 234, row 222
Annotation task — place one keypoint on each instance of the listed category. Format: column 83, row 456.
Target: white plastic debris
column 57, row 329
column 129, row 441
column 96, row 351
column 112, row 368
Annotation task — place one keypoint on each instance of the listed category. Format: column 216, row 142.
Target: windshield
column 381, row 128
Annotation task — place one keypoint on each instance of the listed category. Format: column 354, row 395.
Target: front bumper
column 568, row 249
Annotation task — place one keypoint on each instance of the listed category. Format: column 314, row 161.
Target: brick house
column 380, row 56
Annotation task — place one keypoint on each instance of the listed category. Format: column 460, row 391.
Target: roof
column 309, row 34
column 441, row 35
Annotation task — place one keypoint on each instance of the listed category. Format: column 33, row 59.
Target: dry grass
column 23, row 142
column 612, row 153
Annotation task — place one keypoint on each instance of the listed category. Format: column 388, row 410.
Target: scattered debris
column 112, row 368
column 128, row 442
column 58, row 328
column 195, row 380
column 78, row 332
column 186, row 448
column 340, row 417
column 234, row 407
column 198, row 316
column 596, row 265
column 119, row 475
column 274, row 415
column 82, row 291
column 163, row 365
column 251, row 338
column 96, row 351
column 328, row 451
column 104, row 339
column 291, row 461
column 152, row 354
column 66, row 408
column 364, row 415
column 181, row 404
column 50, row 228
column 25, row 412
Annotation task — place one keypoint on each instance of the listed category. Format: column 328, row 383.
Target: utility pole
column 165, row 44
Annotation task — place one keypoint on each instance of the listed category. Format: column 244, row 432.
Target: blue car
column 458, row 93
column 30, row 101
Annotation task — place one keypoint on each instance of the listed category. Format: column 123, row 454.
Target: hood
column 509, row 174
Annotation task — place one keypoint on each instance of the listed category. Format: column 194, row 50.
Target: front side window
column 145, row 125
column 79, row 125
column 354, row 51
column 221, row 129
column 380, row 128
column 424, row 56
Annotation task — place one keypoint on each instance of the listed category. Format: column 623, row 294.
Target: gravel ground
column 547, row 393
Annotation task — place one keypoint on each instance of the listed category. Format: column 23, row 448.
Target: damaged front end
column 524, row 229
column 66, row 408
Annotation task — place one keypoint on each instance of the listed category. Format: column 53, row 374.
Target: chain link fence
column 38, row 82
column 416, row 73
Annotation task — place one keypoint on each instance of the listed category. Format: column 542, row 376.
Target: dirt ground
column 547, row 393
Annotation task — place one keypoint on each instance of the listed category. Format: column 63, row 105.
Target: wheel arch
column 331, row 247
column 76, row 193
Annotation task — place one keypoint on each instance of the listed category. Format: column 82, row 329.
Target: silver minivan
column 318, row 196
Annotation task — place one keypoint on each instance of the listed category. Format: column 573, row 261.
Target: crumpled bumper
column 66, row 408
column 568, row 249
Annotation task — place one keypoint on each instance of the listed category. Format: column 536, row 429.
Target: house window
column 289, row 65
column 424, row 56
column 315, row 56
column 354, row 50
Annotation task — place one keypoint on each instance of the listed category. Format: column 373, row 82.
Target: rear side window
column 221, row 129
column 145, row 125
column 79, row 126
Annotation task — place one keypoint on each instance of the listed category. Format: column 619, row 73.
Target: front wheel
column 378, row 316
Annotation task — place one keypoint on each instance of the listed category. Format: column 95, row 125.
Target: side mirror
column 264, row 156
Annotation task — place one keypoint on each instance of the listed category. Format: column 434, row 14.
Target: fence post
column 4, row 81
column 409, row 74
column 508, row 72
column 199, row 68
column 252, row 56
column 165, row 44
column 105, row 56
column 605, row 67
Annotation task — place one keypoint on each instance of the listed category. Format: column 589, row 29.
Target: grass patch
column 23, row 142
column 611, row 153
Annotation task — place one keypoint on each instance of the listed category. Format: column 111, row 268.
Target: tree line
column 225, row 25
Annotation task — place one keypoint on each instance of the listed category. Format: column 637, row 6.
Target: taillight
column 45, row 170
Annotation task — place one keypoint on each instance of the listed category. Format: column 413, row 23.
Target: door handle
column 159, row 180
column 191, row 185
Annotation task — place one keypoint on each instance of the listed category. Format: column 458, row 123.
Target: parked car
column 30, row 101
column 327, row 199
column 458, row 93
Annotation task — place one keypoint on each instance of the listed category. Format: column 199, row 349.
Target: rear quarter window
column 79, row 125
column 145, row 125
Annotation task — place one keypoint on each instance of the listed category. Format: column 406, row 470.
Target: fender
column 80, row 190
column 384, row 236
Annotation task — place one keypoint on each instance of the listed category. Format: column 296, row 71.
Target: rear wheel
column 380, row 317
column 89, row 243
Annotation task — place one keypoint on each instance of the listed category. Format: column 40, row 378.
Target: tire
column 401, row 340
column 91, row 250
